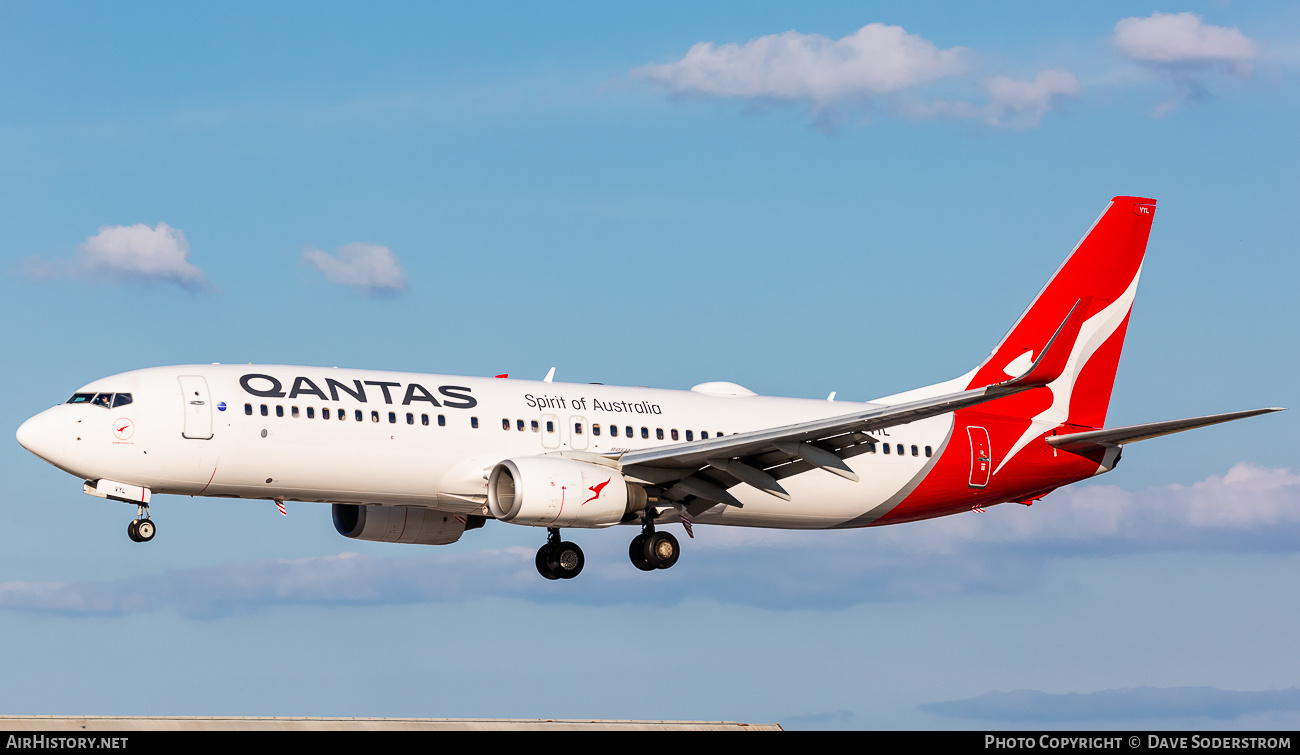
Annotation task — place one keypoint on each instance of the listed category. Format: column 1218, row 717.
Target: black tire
column 566, row 560
column 144, row 530
column 543, row 562
column 662, row 550
column 130, row 531
column 636, row 552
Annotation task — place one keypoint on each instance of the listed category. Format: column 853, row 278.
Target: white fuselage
column 430, row 440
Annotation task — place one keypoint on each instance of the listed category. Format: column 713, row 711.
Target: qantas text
column 265, row 386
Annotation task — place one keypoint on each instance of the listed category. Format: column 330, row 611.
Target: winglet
column 550, row 376
column 1055, row 355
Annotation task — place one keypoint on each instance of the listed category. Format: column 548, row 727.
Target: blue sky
column 633, row 197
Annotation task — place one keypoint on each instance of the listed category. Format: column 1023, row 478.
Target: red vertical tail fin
column 1101, row 274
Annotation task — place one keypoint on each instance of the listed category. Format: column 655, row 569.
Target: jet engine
column 546, row 491
column 398, row 524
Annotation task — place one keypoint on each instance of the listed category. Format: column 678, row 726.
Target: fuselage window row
column 296, row 413
column 519, row 425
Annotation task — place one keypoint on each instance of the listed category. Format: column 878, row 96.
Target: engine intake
column 545, row 491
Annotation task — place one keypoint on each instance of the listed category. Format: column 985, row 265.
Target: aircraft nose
column 41, row 436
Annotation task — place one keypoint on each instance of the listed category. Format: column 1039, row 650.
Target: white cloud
column 1184, row 49
column 130, row 252
column 876, row 59
column 879, row 67
column 1184, row 39
column 1024, row 103
column 372, row 268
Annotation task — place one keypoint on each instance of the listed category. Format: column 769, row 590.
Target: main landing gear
column 559, row 559
column 141, row 529
column 653, row 550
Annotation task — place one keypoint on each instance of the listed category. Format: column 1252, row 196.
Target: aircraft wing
column 705, row 469
column 1118, row 436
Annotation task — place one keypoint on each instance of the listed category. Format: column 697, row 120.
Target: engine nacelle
column 546, row 491
column 397, row 524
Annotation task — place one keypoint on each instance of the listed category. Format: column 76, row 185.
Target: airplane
column 418, row 458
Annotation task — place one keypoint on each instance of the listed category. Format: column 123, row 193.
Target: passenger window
column 473, row 422
column 360, row 417
column 81, row 398
column 550, row 426
column 311, row 412
column 690, row 435
column 519, row 425
column 613, row 431
column 324, row 413
column 442, row 420
column 534, row 426
column 659, row 434
column 577, row 428
column 410, row 419
column 927, row 452
column 279, row 410
column 645, row 433
column 628, row 430
column 886, row 445
column 392, row 418
column 899, row 449
column 915, row 451
column 505, row 424
column 265, row 413
column 424, row 420
column 374, row 416
column 704, row 435
column 121, row 399
column 871, row 448
column 248, row 409
column 293, row 410
column 595, row 429
column 674, row 434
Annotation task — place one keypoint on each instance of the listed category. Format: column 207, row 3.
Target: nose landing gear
column 559, row 559
column 141, row 529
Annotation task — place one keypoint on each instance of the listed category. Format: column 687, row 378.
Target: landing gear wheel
column 636, row 552
column 544, row 562
column 565, row 560
column 144, row 530
column 662, row 550
column 131, row 533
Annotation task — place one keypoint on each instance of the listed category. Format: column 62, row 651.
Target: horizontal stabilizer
column 1118, row 436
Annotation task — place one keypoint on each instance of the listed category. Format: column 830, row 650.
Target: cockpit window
column 105, row 400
